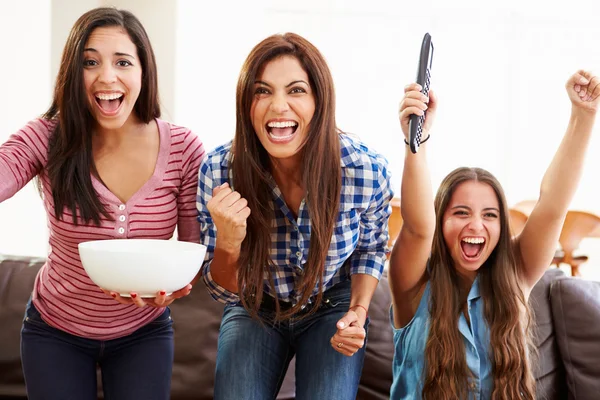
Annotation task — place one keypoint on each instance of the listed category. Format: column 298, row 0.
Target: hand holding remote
column 416, row 103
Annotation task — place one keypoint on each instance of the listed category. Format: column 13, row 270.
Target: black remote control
column 423, row 74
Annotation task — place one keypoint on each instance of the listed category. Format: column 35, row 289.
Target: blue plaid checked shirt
column 359, row 241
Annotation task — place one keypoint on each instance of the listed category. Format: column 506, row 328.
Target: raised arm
column 413, row 246
column 537, row 242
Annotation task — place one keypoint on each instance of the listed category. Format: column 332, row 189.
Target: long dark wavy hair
column 70, row 161
column 505, row 310
column 321, row 176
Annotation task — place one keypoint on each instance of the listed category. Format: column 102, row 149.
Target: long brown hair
column 321, row 176
column 505, row 310
column 70, row 160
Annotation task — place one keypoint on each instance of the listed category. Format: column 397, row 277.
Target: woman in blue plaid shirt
column 294, row 213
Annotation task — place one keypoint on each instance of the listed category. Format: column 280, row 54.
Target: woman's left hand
column 351, row 334
column 161, row 299
column 584, row 90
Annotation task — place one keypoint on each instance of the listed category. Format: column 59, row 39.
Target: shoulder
column 364, row 170
column 184, row 144
column 216, row 163
column 39, row 129
column 355, row 153
column 220, row 157
column 179, row 134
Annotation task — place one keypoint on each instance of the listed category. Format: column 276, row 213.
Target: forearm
column 562, row 176
column 416, row 198
column 363, row 288
column 223, row 268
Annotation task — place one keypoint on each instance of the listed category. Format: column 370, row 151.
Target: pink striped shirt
column 63, row 293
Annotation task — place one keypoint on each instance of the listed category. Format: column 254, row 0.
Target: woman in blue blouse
column 294, row 214
column 460, row 282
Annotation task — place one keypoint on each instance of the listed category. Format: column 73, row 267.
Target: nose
column 107, row 74
column 279, row 104
column 475, row 224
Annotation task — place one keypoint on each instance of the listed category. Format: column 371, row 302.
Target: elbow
column 410, row 235
column 425, row 235
column 422, row 228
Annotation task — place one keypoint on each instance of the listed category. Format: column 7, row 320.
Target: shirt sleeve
column 188, row 228
column 23, row 156
column 208, row 231
column 370, row 253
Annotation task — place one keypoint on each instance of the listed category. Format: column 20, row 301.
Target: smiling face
column 471, row 226
column 282, row 107
column 112, row 76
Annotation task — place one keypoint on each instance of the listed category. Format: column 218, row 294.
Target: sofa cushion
column 548, row 367
column 196, row 320
column 576, row 311
column 17, row 275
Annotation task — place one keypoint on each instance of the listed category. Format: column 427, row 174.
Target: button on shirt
column 410, row 341
column 358, row 244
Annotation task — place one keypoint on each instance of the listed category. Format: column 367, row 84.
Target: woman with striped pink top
column 108, row 168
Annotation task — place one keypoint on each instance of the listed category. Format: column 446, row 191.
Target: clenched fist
column 584, row 90
column 229, row 212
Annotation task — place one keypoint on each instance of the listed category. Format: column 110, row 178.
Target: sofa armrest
column 576, row 313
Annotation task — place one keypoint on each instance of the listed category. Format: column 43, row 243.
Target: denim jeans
column 58, row 365
column 253, row 356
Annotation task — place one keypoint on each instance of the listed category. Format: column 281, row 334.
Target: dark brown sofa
column 568, row 338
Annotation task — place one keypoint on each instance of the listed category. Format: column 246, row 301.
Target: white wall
column 25, row 71
column 499, row 71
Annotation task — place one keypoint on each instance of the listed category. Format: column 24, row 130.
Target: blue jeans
column 58, row 365
column 253, row 357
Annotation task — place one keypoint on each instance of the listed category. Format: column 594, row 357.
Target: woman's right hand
column 229, row 212
column 584, row 91
column 415, row 102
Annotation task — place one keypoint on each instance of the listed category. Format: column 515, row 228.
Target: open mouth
column 472, row 247
column 281, row 131
column 109, row 103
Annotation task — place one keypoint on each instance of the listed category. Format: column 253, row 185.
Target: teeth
column 285, row 124
column 109, row 96
column 474, row 240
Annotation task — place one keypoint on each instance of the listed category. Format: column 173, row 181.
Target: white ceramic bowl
column 142, row 266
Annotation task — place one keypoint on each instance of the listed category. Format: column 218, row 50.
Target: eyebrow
column 469, row 208
column 116, row 54
column 257, row 82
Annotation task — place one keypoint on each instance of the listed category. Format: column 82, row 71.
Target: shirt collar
column 474, row 292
